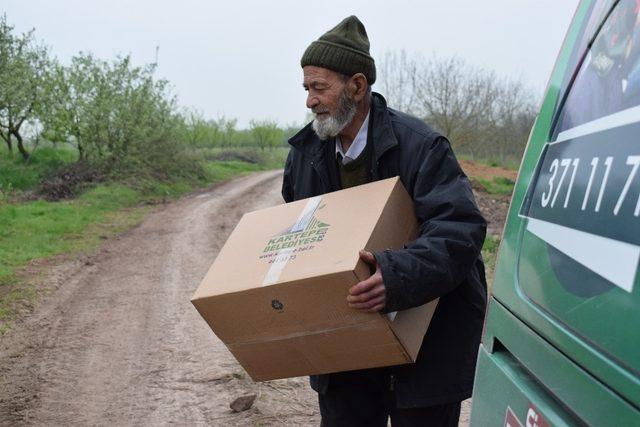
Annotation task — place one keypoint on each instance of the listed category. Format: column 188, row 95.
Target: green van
column 561, row 344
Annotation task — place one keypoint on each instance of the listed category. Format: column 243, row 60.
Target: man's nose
column 312, row 101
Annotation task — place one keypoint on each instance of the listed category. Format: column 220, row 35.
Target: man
column 355, row 138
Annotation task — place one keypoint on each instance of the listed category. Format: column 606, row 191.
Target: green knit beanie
column 344, row 49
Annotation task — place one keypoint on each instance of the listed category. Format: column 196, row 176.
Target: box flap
column 410, row 326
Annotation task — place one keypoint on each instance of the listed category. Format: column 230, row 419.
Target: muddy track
column 117, row 341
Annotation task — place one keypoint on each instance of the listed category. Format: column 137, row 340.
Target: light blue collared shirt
column 358, row 144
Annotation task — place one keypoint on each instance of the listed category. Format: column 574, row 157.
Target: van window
column 608, row 80
column 597, row 13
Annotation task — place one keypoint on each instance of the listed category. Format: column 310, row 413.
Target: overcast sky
column 241, row 58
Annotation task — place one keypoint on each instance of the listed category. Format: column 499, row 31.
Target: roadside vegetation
column 497, row 185
column 88, row 147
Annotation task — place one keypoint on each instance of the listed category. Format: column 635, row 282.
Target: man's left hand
column 370, row 294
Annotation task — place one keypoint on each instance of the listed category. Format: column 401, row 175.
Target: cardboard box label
column 301, row 237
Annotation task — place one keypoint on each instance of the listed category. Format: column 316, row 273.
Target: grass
column 276, row 158
column 39, row 229
column 490, row 254
column 267, row 159
column 498, row 185
column 220, row 171
column 508, row 162
column 15, row 174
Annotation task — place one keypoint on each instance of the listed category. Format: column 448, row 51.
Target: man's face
column 327, row 97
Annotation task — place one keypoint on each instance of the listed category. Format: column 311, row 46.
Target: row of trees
column 117, row 115
column 223, row 132
column 482, row 114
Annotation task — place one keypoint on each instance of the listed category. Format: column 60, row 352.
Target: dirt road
column 117, row 341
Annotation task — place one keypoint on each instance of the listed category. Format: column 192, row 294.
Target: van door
column 580, row 249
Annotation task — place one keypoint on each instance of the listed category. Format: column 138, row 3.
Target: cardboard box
column 276, row 293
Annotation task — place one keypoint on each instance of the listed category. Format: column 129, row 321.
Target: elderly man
column 354, row 139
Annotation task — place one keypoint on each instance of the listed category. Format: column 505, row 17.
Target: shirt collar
column 358, row 144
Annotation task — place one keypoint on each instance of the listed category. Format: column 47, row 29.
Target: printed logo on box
column 302, row 236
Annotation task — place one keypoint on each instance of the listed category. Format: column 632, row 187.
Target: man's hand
column 370, row 294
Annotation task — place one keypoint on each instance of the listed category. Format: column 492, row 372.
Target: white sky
column 241, row 58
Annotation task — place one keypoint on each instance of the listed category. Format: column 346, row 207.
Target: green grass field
column 15, row 174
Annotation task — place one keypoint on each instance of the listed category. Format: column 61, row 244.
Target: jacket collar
column 308, row 142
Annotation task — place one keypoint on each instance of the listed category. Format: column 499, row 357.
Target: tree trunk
column 23, row 151
column 7, row 138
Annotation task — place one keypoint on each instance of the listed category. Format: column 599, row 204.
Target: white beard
column 331, row 126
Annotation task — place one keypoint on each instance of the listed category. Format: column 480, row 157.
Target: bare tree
column 398, row 72
column 482, row 114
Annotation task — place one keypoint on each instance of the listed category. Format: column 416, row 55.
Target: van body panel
column 565, row 303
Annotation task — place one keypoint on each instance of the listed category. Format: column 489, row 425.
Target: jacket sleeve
column 287, row 185
column 451, row 234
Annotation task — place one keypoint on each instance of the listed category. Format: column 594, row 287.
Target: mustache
column 319, row 109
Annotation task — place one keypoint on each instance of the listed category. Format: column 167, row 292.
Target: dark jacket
column 444, row 261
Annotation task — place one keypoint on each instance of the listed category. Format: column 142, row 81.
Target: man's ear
column 358, row 83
